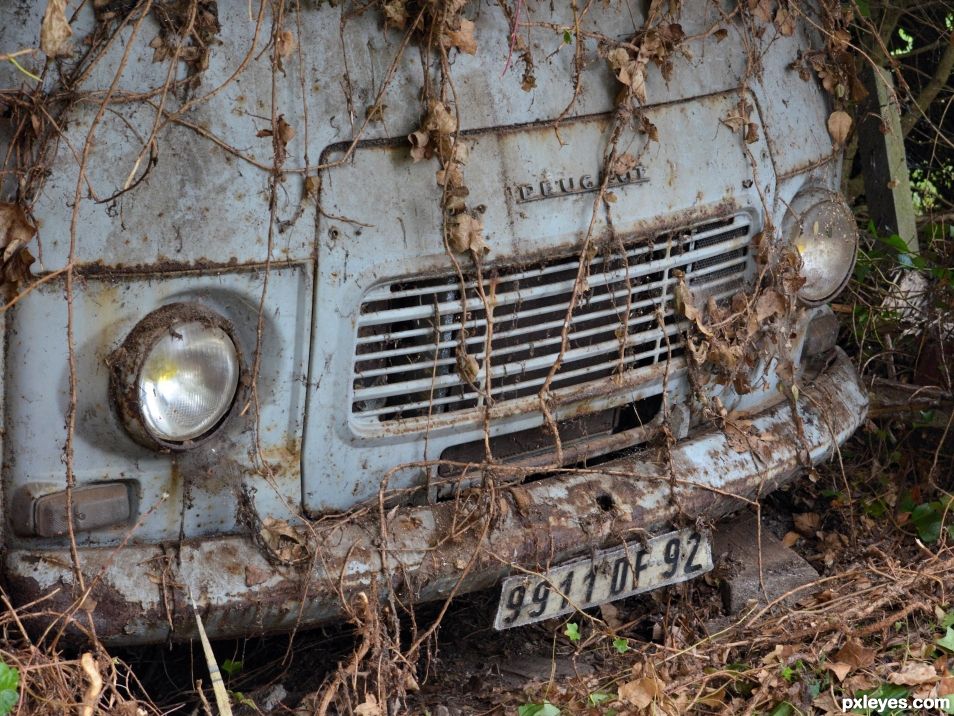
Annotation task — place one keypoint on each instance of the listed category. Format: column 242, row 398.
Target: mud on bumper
column 141, row 592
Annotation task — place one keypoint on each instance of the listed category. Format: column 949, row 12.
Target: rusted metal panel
column 537, row 524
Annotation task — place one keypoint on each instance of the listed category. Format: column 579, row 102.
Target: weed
column 572, row 632
column 9, row 688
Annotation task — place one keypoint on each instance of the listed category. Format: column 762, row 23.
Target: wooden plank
column 885, row 167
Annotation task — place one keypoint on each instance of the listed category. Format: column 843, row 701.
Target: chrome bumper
column 141, row 593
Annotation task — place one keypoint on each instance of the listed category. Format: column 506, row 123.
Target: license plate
column 604, row 577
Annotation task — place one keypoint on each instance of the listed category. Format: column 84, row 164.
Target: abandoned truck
column 398, row 300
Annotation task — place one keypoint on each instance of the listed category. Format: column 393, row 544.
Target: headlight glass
column 175, row 377
column 822, row 229
column 187, row 381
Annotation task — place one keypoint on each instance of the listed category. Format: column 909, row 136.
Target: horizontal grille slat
column 700, row 234
column 528, row 384
column 538, row 312
column 411, row 332
column 560, row 288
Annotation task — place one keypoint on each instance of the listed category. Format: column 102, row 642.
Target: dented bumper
column 141, row 592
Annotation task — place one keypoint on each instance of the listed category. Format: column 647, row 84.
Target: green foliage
column 543, row 709
column 621, row 645
column 242, row 700
column 231, row 667
column 9, row 685
column 600, row 697
column 884, row 691
column 946, row 642
column 890, row 252
column 572, row 632
column 782, row 709
column 928, row 518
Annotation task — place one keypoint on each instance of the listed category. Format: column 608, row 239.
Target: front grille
column 407, row 360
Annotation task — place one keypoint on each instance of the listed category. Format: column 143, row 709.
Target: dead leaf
column 370, row 707
column 761, row 9
column 914, row 674
column 395, row 13
column 686, row 306
column 785, row 22
column 624, row 163
column 648, row 128
column 55, row 31
column 807, row 523
column 839, row 669
column 467, row 234
column 640, row 692
column 285, row 43
column 780, row 653
column 283, row 540
column 16, row 231
column 839, row 125
column 375, row 112
column 790, row 539
column 610, row 615
column 286, row 132
column 451, row 176
column 855, row 654
column 467, row 366
column 462, row 38
column 628, row 71
column 439, row 119
column 751, row 133
column 419, row 141
column 768, row 305
column 312, row 187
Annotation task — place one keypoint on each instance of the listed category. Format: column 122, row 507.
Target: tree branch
column 930, row 91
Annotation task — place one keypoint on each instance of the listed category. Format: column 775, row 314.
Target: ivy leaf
column 572, row 632
column 947, row 641
column 9, row 682
column 621, row 645
column 600, row 697
column 782, row 709
column 927, row 518
column 231, row 667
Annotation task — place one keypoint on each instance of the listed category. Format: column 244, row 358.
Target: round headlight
column 176, row 375
column 822, row 229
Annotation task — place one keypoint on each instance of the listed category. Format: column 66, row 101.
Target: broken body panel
column 357, row 462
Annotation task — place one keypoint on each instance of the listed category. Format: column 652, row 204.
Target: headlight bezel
column 127, row 362
column 802, row 206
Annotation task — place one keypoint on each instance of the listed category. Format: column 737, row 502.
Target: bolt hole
column 605, row 502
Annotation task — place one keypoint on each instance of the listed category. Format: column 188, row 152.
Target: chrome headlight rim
column 807, row 200
column 128, row 361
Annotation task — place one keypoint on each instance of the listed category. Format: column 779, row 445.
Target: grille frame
column 715, row 253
